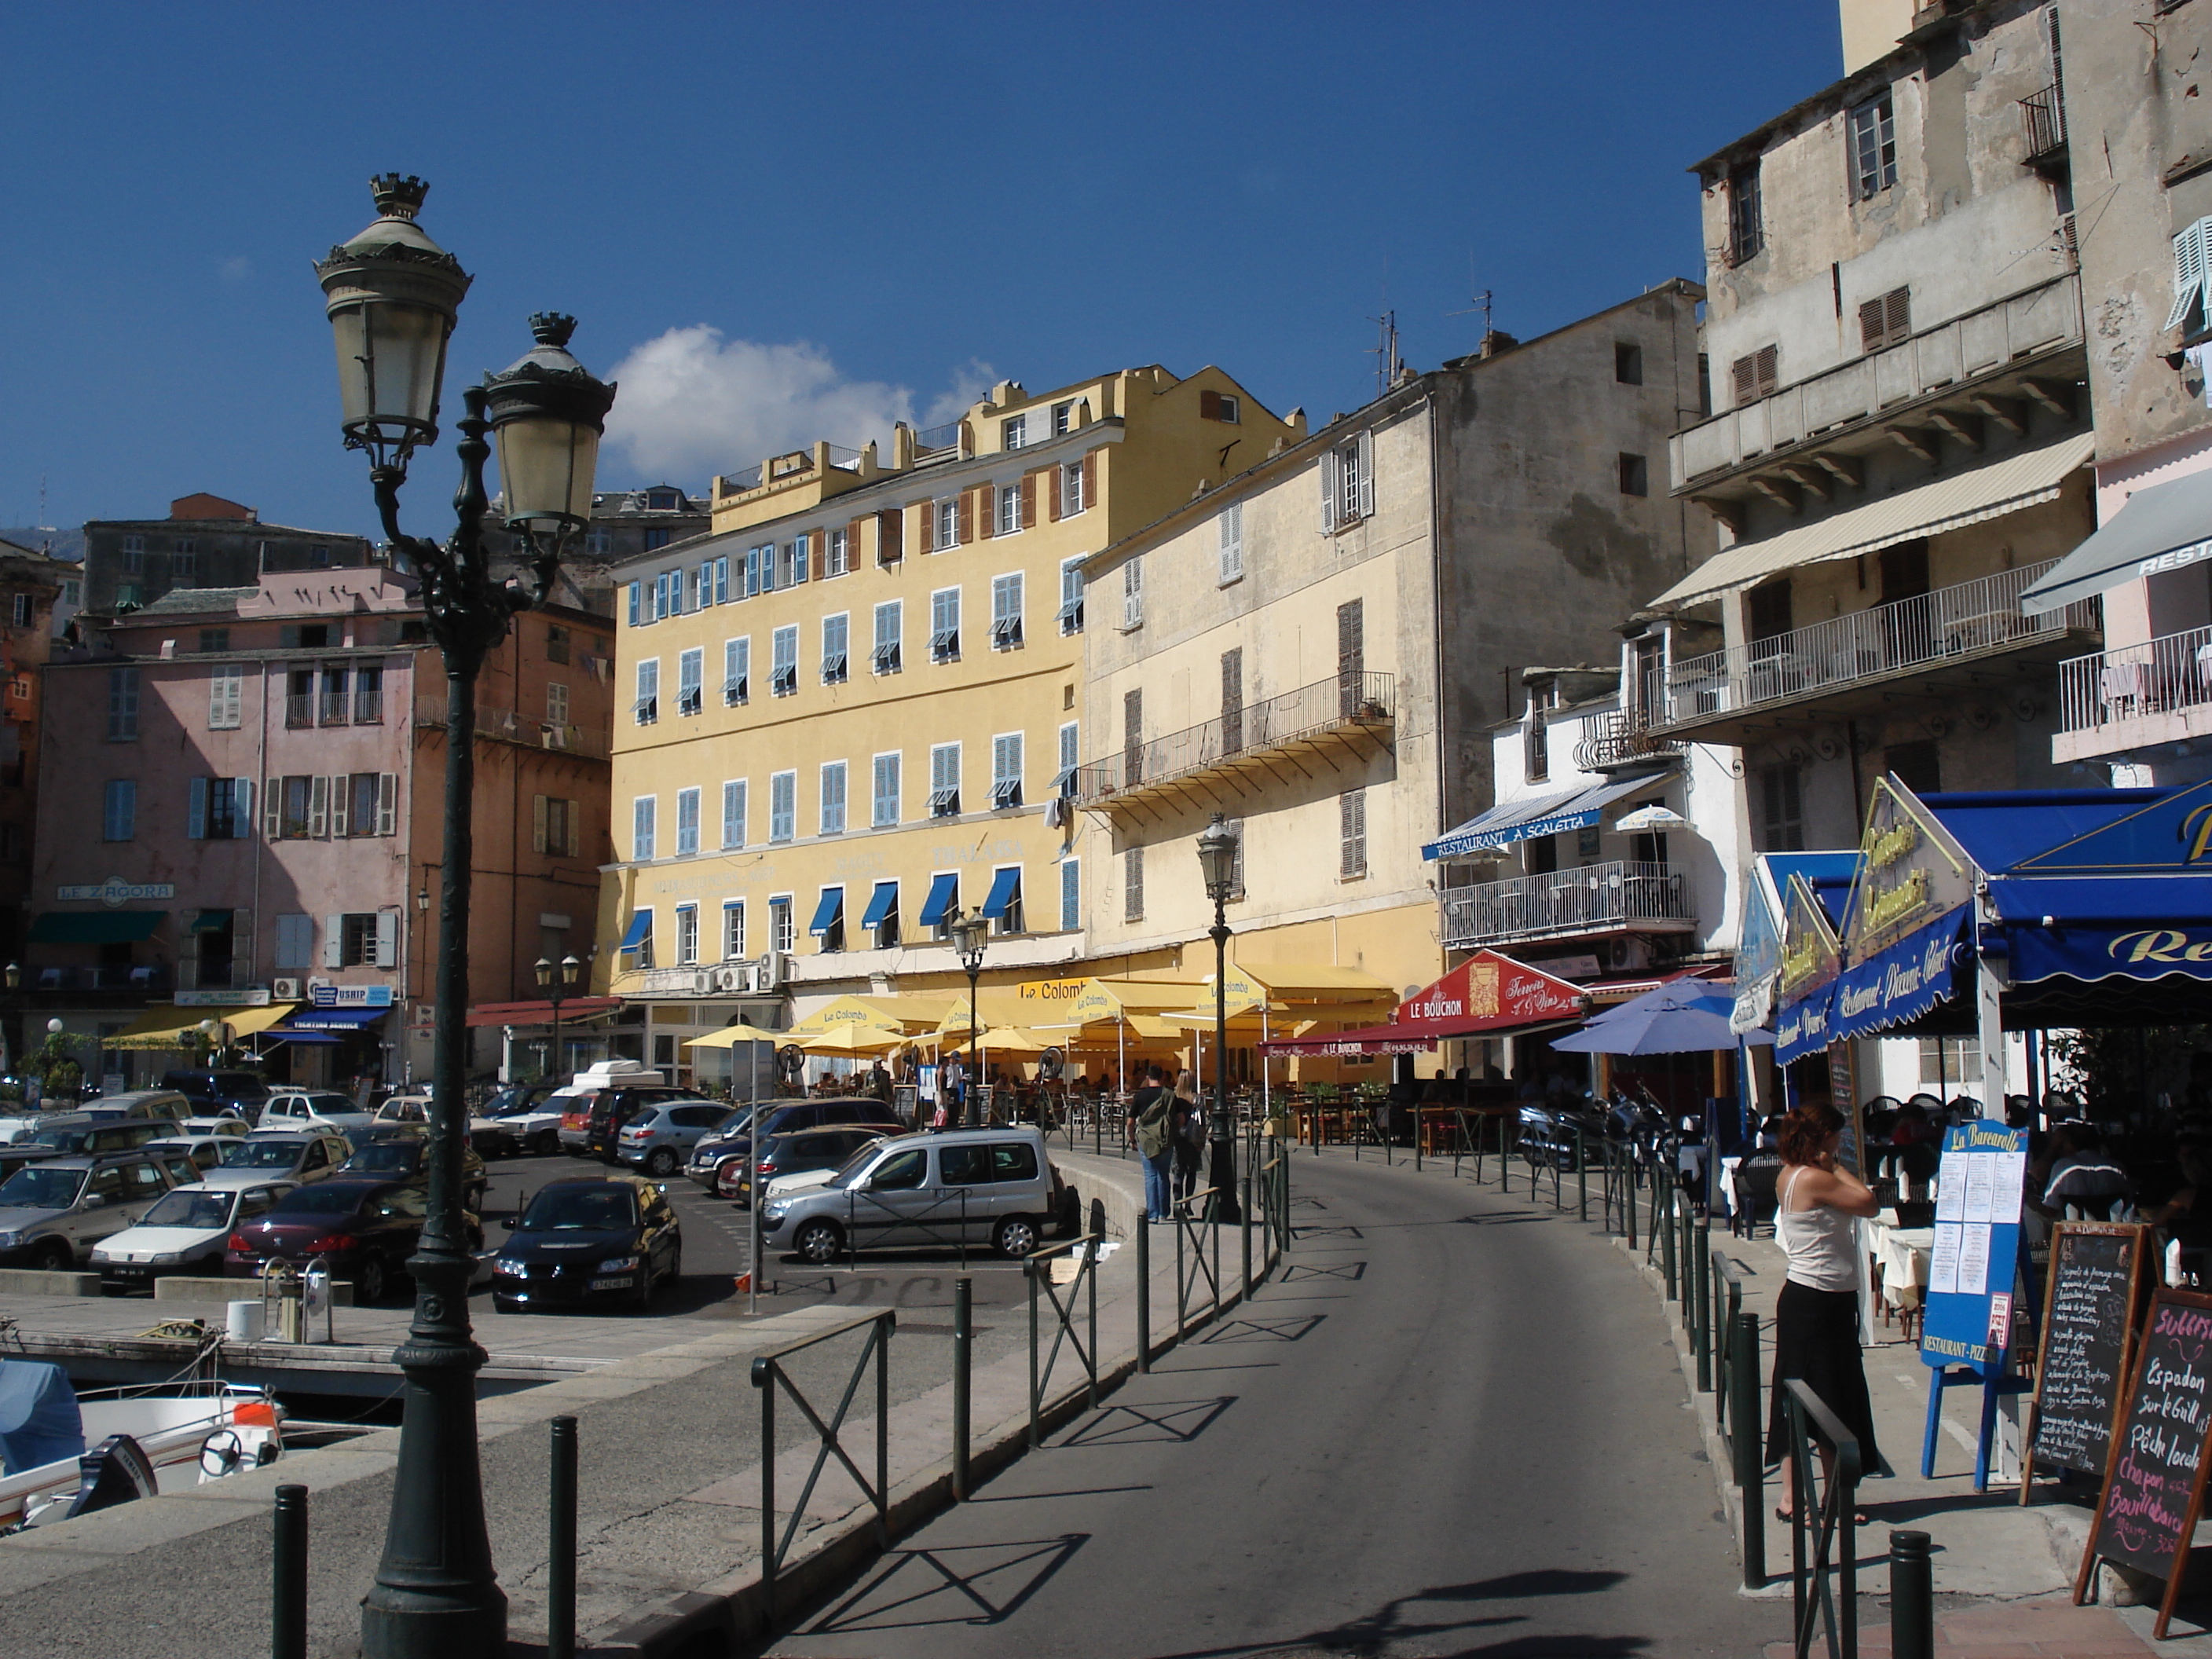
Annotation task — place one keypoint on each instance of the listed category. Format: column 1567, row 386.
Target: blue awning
column 1900, row 982
column 1004, row 885
column 640, row 929
column 332, row 1020
column 943, row 894
column 827, row 912
column 1801, row 1027
column 1540, row 815
column 881, row 904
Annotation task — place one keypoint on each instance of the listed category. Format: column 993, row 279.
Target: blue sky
column 784, row 221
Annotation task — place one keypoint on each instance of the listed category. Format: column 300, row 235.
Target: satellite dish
column 1050, row 1063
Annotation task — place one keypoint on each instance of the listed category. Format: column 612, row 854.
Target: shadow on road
column 1180, row 1421
column 957, row 1584
column 1261, row 1330
column 1346, row 1270
column 1394, row 1622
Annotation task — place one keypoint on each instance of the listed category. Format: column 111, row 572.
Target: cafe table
column 1900, row 1257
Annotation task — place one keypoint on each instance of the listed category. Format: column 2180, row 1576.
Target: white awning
column 2028, row 479
column 2160, row 529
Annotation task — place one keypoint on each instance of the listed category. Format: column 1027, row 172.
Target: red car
column 362, row 1231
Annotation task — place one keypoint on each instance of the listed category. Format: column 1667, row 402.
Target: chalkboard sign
column 2154, row 1472
column 2088, row 1328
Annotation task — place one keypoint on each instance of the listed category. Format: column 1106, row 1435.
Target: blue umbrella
column 1686, row 1016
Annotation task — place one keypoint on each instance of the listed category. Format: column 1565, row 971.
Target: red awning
column 1486, row 993
column 540, row 1013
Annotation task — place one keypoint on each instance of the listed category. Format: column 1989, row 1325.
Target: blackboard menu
column 2088, row 1312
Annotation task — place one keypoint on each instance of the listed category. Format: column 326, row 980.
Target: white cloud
column 970, row 381
column 693, row 403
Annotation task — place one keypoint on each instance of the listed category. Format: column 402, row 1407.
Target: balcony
column 505, row 726
column 1948, row 640
column 2134, row 697
column 1621, row 743
column 1356, row 711
column 2043, row 126
column 1623, row 895
column 1976, row 363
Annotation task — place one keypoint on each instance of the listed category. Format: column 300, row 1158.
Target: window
column 1133, row 591
column 734, row 930
column 1635, row 479
column 1781, row 810
column 1133, row 736
column 948, row 522
column 722, row 579
column 1915, row 765
column 368, row 694
column 884, row 811
column 637, row 605
column 215, row 639
column 1006, row 611
column 122, row 704
column 1133, row 884
column 185, row 563
column 1948, row 1061
column 687, row 823
column 890, row 536
column 219, row 809
column 687, row 931
column 1006, row 770
column 654, row 540
column 1003, row 905
column 1010, row 510
column 1874, row 147
column 226, row 699
column 1220, row 406
column 737, row 670
column 1014, row 432
column 295, row 941
column 648, row 706
column 690, row 674
column 1071, row 596
column 833, row 631
column 944, row 781
column 556, row 826
column 945, row 625
column 1063, row 418
column 640, row 830
column 364, row 938
column 783, row 673
column 1627, row 362
column 134, row 555
column 1231, row 523
column 782, row 806
column 734, row 813
column 337, row 681
column 1747, row 226
column 1074, row 488
column 20, row 609
column 1885, row 320
column 759, row 571
column 703, row 594
column 556, row 644
column 791, row 562
column 557, row 704
column 1351, row 657
column 660, row 597
column 1755, row 376
column 1071, row 895
column 641, row 923
column 1351, row 822
column 889, row 619
column 833, row 798
column 118, row 810
column 1536, row 748
column 1347, row 483
column 2192, row 275
column 1232, row 700
column 780, row 928
column 837, row 559
column 73, row 592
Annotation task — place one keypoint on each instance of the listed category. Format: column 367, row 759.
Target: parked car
column 313, row 1108
column 633, row 1080
column 528, row 1113
column 51, row 1214
column 411, row 1110
column 285, row 1155
column 170, row 1105
column 966, row 1186
column 176, row 1162
column 578, row 1242
column 821, row 1151
column 14, row 1157
column 362, row 1229
column 185, row 1232
column 82, row 1132
column 202, row 1152
column 239, row 1090
column 659, row 1136
column 734, row 1138
column 403, row 1154
column 228, row 1124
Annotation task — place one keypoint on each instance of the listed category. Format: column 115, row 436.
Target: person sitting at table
column 2085, row 1183
column 2186, row 1217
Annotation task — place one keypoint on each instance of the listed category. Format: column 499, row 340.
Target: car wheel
column 546, row 1145
column 818, row 1242
column 662, row 1163
column 54, row 1255
column 368, row 1280
column 1016, row 1236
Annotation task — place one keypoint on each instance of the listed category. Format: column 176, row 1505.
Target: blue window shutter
column 196, row 814
column 636, row 602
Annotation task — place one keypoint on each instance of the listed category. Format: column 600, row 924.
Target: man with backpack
column 1150, row 1113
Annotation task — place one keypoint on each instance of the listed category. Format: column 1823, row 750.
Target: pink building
column 240, row 817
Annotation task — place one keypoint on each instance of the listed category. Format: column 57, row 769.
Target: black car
column 239, row 1091
column 735, row 1139
column 587, row 1241
column 403, row 1154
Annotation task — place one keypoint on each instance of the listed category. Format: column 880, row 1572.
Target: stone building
column 626, row 524
column 31, row 585
column 205, row 542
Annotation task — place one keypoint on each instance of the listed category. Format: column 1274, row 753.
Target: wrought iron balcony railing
column 2159, row 677
column 1605, row 897
column 1350, row 702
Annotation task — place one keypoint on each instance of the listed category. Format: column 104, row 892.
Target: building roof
column 196, row 602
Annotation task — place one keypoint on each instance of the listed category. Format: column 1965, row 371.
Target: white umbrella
column 1652, row 817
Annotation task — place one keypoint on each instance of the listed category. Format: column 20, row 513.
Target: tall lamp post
column 968, row 931
column 392, row 295
column 557, row 982
column 1217, row 857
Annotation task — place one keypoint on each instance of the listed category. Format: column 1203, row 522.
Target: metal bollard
column 1911, row 1598
column 1582, row 1176
column 1144, row 1294
column 1744, row 1432
column 964, row 1353
column 288, row 1634
column 1629, row 1189
column 1702, row 1278
column 1663, row 1225
column 560, row 1545
column 1244, row 1226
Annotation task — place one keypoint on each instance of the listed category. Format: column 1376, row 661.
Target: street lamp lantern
column 1216, row 861
column 1217, row 857
column 547, row 413
column 15, row 975
column 968, row 931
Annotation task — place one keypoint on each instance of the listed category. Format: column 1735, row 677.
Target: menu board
column 2088, row 1327
column 1978, row 1196
column 2155, row 1473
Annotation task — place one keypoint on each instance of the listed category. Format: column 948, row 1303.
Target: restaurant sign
column 1909, row 874
column 116, row 891
column 1051, row 993
column 350, row 996
column 1489, row 990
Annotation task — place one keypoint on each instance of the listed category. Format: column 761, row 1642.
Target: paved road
column 1454, row 1426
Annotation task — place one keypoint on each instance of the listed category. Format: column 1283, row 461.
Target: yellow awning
column 165, row 1027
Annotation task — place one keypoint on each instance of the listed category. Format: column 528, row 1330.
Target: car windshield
column 380, row 1155
column 206, row 1211
column 68, row 1140
column 37, row 1188
column 596, row 1208
column 261, row 1155
column 850, row 1170
column 512, row 1103
column 324, row 1198
column 736, row 1123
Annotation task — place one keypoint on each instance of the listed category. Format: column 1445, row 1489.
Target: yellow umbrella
column 1012, row 1040
column 730, row 1036
column 851, row 1040
column 846, row 1012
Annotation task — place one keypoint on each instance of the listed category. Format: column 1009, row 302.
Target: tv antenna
column 1385, row 350
column 1477, row 302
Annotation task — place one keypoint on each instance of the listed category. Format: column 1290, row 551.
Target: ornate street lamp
column 558, row 983
column 969, row 932
column 1216, row 859
column 392, row 295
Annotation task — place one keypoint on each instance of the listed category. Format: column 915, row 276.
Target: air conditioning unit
column 285, row 990
column 770, row 972
column 701, row 982
column 738, row 976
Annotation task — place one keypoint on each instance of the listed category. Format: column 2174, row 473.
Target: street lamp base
column 1221, row 1176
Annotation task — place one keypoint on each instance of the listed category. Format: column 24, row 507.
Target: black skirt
column 1816, row 1340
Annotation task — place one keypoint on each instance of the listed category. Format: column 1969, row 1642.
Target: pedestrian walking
column 1149, row 1111
column 1188, row 1128
column 1816, row 1317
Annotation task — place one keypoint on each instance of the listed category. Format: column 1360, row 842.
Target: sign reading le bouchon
column 116, row 891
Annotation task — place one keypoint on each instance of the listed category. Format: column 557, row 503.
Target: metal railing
column 1567, row 901
column 2159, row 677
column 2042, row 122
column 331, row 709
column 768, row 1376
column 927, row 438
column 1814, row 1603
column 505, row 726
column 300, row 710
column 1620, row 740
column 1036, row 1268
column 1195, row 1214
column 1971, row 619
column 1350, row 700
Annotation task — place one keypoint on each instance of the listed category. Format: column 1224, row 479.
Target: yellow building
column 853, row 707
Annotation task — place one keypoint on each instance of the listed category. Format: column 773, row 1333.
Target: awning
column 1004, row 885
column 1487, row 993
column 943, row 894
column 540, row 1013
column 881, row 904
column 1543, row 815
column 208, row 921
column 334, row 1019
column 1897, row 984
column 2020, row 481
column 1365, row 1040
column 94, row 927
column 2163, row 528
column 164, row 1027
column 829, row 912
column 640, row 929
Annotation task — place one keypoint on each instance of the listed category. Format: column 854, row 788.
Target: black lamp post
column 558, row 983
column 392, row 295
column 968, row 931
column 1217, row 857
column 14, row 1034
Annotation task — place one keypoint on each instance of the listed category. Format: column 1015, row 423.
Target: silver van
column 993, row 1186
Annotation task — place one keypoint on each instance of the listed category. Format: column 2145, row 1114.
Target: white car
column 185, row 1232
column 225, row 1125
column 288, row 1155
column 206, row 1151
column 314, row 1108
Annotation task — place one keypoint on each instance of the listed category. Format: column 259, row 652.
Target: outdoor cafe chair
column 1754, row 1181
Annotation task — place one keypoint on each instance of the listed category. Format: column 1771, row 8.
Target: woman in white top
column 1816, row 1318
